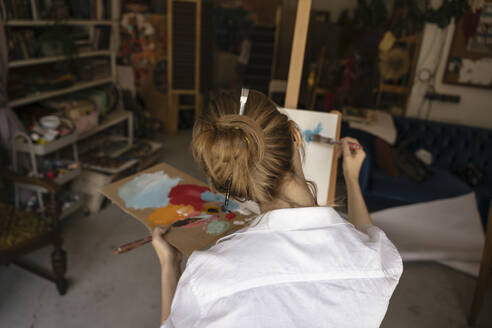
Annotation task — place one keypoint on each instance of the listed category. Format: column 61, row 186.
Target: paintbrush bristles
column 327, row 140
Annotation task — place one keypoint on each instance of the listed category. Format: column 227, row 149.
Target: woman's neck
column 294, row 192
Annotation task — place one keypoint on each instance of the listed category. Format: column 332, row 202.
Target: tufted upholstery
column 451, row 146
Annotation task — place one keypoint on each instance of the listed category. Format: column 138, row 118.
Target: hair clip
column 243, row 100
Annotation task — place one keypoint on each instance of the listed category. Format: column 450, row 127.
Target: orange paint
column 169, row 214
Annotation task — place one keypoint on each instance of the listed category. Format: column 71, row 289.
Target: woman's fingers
column 352, row 140
column 158, row 232
column 352, row 158
column 346, row 147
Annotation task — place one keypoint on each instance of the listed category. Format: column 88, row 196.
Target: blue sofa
column 451, row 146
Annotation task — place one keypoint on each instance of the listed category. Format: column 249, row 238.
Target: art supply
column 190, row 198
column 318, row 138
column 319, row 163
column 135, row 244
column 228, row 191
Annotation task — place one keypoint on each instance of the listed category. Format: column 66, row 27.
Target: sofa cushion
column 451, row 145
column 441, row 184
column 383, row 156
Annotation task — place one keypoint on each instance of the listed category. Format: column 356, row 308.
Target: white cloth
column 304, row 267
column 446, row 230
column 381, row 126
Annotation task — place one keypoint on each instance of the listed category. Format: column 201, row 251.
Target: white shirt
column 303, row 267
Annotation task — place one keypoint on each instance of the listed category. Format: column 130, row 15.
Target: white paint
column 475, row 107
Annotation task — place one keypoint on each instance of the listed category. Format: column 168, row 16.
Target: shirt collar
column 286, row 219
column 296, row 219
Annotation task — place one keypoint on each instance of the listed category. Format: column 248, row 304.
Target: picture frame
column 469, row 60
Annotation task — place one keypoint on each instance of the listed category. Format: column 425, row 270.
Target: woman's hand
column 352, row 159
column 170, row 259
column 169, row 256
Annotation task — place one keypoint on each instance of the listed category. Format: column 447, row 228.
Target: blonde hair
column 254, row 150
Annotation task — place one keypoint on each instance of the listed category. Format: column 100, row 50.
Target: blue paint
column 208, row 196
column 306, row 134
column 233, row 205
column 148, row 190
column 221, row 198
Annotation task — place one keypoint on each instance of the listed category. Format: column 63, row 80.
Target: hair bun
column 253, row 133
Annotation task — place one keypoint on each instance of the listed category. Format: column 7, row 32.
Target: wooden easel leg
column 198, row 105
column 173, row 115
column 484, row 275
column 59, row 264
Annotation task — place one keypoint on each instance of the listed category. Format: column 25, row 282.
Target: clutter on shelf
column 102, row 157
column 53, row 168
column 43, row 133
column 78, row 112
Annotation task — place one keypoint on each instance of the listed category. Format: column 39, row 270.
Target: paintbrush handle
column 134, row 244
column 331, row 141
column 137, row 243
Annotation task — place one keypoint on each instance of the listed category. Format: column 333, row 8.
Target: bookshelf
column 106, row 17
column 21, row 15
column 45, row 60
column 50, row 94
column 43, row 22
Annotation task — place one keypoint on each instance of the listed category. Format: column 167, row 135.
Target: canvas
column 319, row 163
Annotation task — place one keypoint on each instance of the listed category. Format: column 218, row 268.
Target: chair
column 484, row 275
column 23, row 232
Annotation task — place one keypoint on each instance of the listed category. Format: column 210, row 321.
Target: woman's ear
column 296, row 135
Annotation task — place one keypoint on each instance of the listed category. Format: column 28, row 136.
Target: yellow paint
column 212, row 208
column 169, row 214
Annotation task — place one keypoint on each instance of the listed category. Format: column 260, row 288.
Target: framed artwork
column 470, row 56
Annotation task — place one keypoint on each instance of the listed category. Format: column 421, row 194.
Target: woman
column 297, row 264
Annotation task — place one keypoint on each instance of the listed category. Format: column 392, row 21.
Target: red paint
column 195, row 223
column 188, row 194
column 230, row 216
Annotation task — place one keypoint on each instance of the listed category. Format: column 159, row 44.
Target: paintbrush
column 319, row 138
column 137, row 243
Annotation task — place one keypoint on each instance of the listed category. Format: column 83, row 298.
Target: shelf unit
column 50, row 94
column 22, row 143
column 43, row 22
column 46, row 60
column 111, row 120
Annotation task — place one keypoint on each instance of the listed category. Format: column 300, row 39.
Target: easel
column 318, row 71
column 295, row 75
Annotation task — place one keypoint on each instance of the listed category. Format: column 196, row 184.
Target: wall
column 475, row 107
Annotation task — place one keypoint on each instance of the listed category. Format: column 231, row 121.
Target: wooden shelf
column 48, row 94
column 45, row 60
column 391, row 88
column 112, row 119
column 69, row 176
column 42, row 22
column 62, row 179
